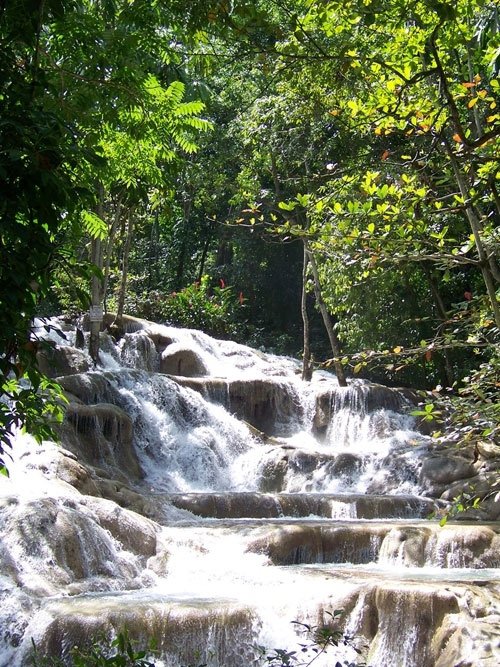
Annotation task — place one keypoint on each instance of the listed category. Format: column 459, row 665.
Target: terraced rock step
column 387, row 542
column 264, row 505
column 446, row 619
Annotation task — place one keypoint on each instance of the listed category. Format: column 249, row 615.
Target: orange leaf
column 469, row 84
column 457, row 138
column 428, row 355
column 385, row 154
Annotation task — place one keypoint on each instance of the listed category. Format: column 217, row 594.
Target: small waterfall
column 205, row 496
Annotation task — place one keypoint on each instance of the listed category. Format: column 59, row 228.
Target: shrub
column 215, row 310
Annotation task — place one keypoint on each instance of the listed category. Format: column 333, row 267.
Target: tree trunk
column 96, row 287
column 488, row 264
column 183, row 229
column 126, row 253
column 441, row 310
column 332, row 336
column 154, row 242
column 204, row 252
column 307, row 369
column 108, row 252
column 95, row 324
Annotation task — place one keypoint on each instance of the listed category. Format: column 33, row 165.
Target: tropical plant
column 119, row 652
column 214, row 309
column 318, row 640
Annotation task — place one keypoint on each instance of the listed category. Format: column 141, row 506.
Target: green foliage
column 319, row 639
column 39, row 202
column 462, row 503
column 427, row 413
column 120, row 652
column 95, row 227
column 86, row 106
column 470, row 415
column 215, row 310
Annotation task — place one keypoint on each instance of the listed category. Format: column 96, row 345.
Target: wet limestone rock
column 124, row 496
column 102, row 435
column 138, row 351
column 55, row 361
column 405, row 546
column 127, row 324
column 187, row 634
column 421, row 608
column 296, row 544
column 136, row 533
column 50, row 544
column 182, row 361
column 472, row 637
column 458, row 545
column 438, row 472
column 268, row 405
column 160, row 340
column 363, row 398
column 71, row 471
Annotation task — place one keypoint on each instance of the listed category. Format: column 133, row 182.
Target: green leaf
column 94, row 225
column 287, row 206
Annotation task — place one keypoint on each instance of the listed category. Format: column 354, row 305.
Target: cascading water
column 206, row 497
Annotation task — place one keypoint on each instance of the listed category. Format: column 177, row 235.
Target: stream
column 205, row 496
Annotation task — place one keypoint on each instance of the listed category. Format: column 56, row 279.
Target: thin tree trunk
column 488, row 264
column 276, row 180
column 448, row 367
column 186, row 212
column 108, row 252
column 96, row 286
column 126, row 253
column 154, row 239
column 307, row 369
column 332, row 336
column 204, row 253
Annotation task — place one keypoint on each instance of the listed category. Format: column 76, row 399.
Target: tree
column 39, row 199
column 71, row 75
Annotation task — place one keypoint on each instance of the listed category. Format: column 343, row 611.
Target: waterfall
column 204, row 496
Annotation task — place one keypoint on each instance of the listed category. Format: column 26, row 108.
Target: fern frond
column 94, row 225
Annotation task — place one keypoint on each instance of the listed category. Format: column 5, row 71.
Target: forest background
column 313, row 177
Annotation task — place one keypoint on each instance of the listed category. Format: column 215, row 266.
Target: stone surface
column 182, row 361
column 58, row 361
column 443, row 470
column 135, row 533
column 102, row 434
column 67, row 543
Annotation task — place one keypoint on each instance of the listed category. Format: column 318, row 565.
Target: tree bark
column 307, row 369
column 441, row 310
column 332, row 336
column 95, row 325
column 487, row 264
column 108, row 252
column 124, row 277
column 96, row 284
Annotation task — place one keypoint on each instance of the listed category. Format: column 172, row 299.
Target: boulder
column 181, row 361
column 441, row 471
column 102, row 435
column 69, row 470
column 67, row 544
column 134, row 532
column 56, row 361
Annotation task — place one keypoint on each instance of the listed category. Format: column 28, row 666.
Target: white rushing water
column 210, row 507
